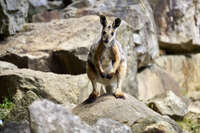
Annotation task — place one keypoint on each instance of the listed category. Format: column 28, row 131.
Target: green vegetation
column 190, row 125
column 6, row 104
column 5, row 108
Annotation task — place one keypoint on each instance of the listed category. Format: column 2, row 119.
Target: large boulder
column 24, row 86
column 12, row 16
column 185, row 69
column 178, row 24
column 153, row 81
column 169, row 104
column 129, row 111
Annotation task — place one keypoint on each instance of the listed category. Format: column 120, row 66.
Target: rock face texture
column 128, row 111
column 153, row 81
column 12, row 16
column 184, row 69
column 169, row 104
column 60, row 88
column 178, row 23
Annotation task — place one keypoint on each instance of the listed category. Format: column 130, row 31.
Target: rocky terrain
column 44, row 87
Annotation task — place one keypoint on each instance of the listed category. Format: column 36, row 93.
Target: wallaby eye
column 112, row 33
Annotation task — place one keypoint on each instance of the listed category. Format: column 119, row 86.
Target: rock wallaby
column 107, row 63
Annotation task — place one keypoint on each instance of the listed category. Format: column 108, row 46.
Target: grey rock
column 12, row 16
column 48, row 117
column 15, row 127
column 110, row 126
column 178, row 24
column 169, row 104
column 153, row 81
column 128, row 111
column 6, row 66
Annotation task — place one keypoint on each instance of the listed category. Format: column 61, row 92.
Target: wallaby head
column 109, row 29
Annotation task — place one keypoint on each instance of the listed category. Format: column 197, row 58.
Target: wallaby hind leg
column 92, row 76
column 121, row 73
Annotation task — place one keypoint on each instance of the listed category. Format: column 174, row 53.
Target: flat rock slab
column 60, row 88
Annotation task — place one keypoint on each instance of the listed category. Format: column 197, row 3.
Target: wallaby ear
column 116, row 23
column 103, row 20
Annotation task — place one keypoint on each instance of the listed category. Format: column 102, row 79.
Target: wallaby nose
column 106, row 41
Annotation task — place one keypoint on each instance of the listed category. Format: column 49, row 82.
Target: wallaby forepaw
column 103, row 75
column 93, row 96
column 109, row 76
column 119, row 95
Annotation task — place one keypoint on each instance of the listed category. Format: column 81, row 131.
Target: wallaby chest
column 107, row 59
